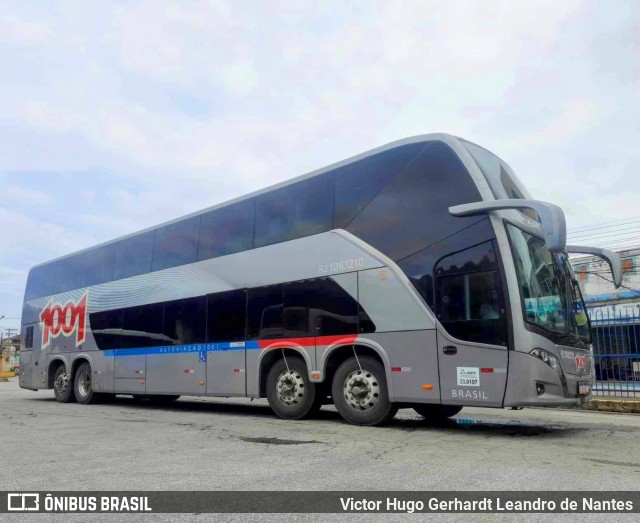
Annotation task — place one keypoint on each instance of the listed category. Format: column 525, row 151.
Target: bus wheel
column 436, row 412
column 62, row 386
column 360, row 392
column 290, row 393
column 82, row 385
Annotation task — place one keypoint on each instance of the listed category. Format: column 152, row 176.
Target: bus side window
column 265, row 313
column 133, row 255
column 28, row 337
column 176, row 244
column 143, row 326
column 319, row 307
column 226, row 230
column 298, row 210
column 106, row 327
column 226, row 316
column 185, row 320
column 468, row 296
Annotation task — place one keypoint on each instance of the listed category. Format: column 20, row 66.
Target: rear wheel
column 436, row 412
column 360, row 392
column 82, row 385
column 62, row 386
column 290, row 393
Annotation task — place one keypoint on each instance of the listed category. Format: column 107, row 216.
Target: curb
column 609, row 405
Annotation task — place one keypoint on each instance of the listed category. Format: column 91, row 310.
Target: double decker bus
column 419, row 274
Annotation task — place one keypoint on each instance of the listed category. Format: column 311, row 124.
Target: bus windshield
column 550, row 295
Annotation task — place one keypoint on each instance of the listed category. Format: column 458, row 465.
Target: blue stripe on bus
column 182, row 349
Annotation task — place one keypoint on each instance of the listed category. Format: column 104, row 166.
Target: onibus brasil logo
column 67, row 319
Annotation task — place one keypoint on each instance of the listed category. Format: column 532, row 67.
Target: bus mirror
column 612, row 258
column 552, row 220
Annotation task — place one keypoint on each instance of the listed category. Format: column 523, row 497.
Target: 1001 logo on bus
column 67, row 319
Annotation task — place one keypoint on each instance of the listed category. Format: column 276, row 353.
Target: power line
column 604, row 224
column 629, row 243
column 600, row 234
column 611, row 281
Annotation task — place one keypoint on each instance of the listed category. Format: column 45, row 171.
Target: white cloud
column 14, row 196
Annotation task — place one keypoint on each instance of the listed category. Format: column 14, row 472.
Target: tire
column 360, row 392
column 290, row 393
column 83, row 385
column 436, row 412
column 161, row 399
column 63, row 386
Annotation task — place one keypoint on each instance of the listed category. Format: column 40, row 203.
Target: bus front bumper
column 541, row 385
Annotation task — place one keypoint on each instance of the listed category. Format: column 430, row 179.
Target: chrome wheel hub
column 290, row 388
column 361, row 390
column 84, row 384
column 62, row 382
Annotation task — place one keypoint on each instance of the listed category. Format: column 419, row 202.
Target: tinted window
column 28, row 337
column 185, row 321
column 314, row 205
column 295, row 211
column 359, row 182
column 365, row 323
column 99, row 265
column 176, row 244
column 133, row 255
column 226, row 230
column 275, row 214
column 412, row 212
column 106, row 327
column 68, row 273
column 419, row 267
column 495, row 171
column 40, row 282
column 480, row 257
column 226, row 316
column 319, row 307
column 469, row 299
column 265, row 318
column 143, row 326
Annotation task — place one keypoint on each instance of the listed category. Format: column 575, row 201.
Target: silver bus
column 419, row 274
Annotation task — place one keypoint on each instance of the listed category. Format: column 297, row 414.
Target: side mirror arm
column 612, row 258
column 552, row 221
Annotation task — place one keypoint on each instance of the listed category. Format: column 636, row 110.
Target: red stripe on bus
column 330, row 340
column 486, row 369
column 307, row 342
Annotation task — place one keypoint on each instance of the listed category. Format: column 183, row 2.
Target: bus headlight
column 547, row 357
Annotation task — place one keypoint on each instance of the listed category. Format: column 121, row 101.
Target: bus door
column 471, row 374
column 472, row 333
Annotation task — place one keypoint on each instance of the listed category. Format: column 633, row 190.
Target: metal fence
column 616, row 348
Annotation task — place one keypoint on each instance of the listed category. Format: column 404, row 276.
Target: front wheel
column 360, row 392
column 436, row 412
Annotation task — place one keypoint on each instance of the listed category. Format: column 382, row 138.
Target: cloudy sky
column 119, row 115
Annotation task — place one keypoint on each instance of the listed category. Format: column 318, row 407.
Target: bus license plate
column 583, row 388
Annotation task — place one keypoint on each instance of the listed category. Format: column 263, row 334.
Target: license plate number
column 584, row 388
